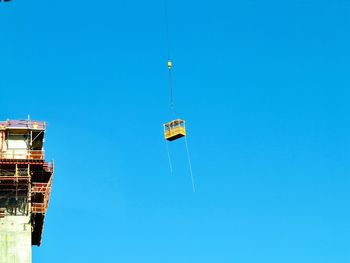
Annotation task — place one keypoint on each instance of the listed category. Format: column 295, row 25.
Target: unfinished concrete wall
column 15, row 239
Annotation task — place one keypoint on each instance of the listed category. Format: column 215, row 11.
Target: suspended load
column 170, row 64
column 174, row 130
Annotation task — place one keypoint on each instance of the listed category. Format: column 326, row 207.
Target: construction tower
column 25, row 186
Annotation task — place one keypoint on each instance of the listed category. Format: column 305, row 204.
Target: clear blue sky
column 264, row 88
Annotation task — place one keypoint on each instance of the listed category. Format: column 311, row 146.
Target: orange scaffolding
column 25, row 176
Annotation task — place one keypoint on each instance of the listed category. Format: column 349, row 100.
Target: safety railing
column 19, row 172
column 176, row 130
column 39, row 207
column 22, row 155
column 21, row 124
column 40, row 188
column 45, row 190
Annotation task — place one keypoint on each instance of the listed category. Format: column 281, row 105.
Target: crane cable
column 170, row 76
column 170, row 63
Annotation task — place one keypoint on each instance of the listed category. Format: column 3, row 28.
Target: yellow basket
column 174, row 130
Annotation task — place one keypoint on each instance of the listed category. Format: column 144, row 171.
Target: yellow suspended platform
column 174, row 130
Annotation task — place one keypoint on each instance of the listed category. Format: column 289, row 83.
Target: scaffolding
column 25, row 176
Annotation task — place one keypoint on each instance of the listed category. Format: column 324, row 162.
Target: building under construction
column 25, row 186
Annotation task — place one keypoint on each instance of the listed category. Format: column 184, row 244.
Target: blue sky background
column 264, row 88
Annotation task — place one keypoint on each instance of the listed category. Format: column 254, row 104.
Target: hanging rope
column 170, row 65
column 167, row 27
column 169, row 158
column 169, row 53
column 190, row 165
